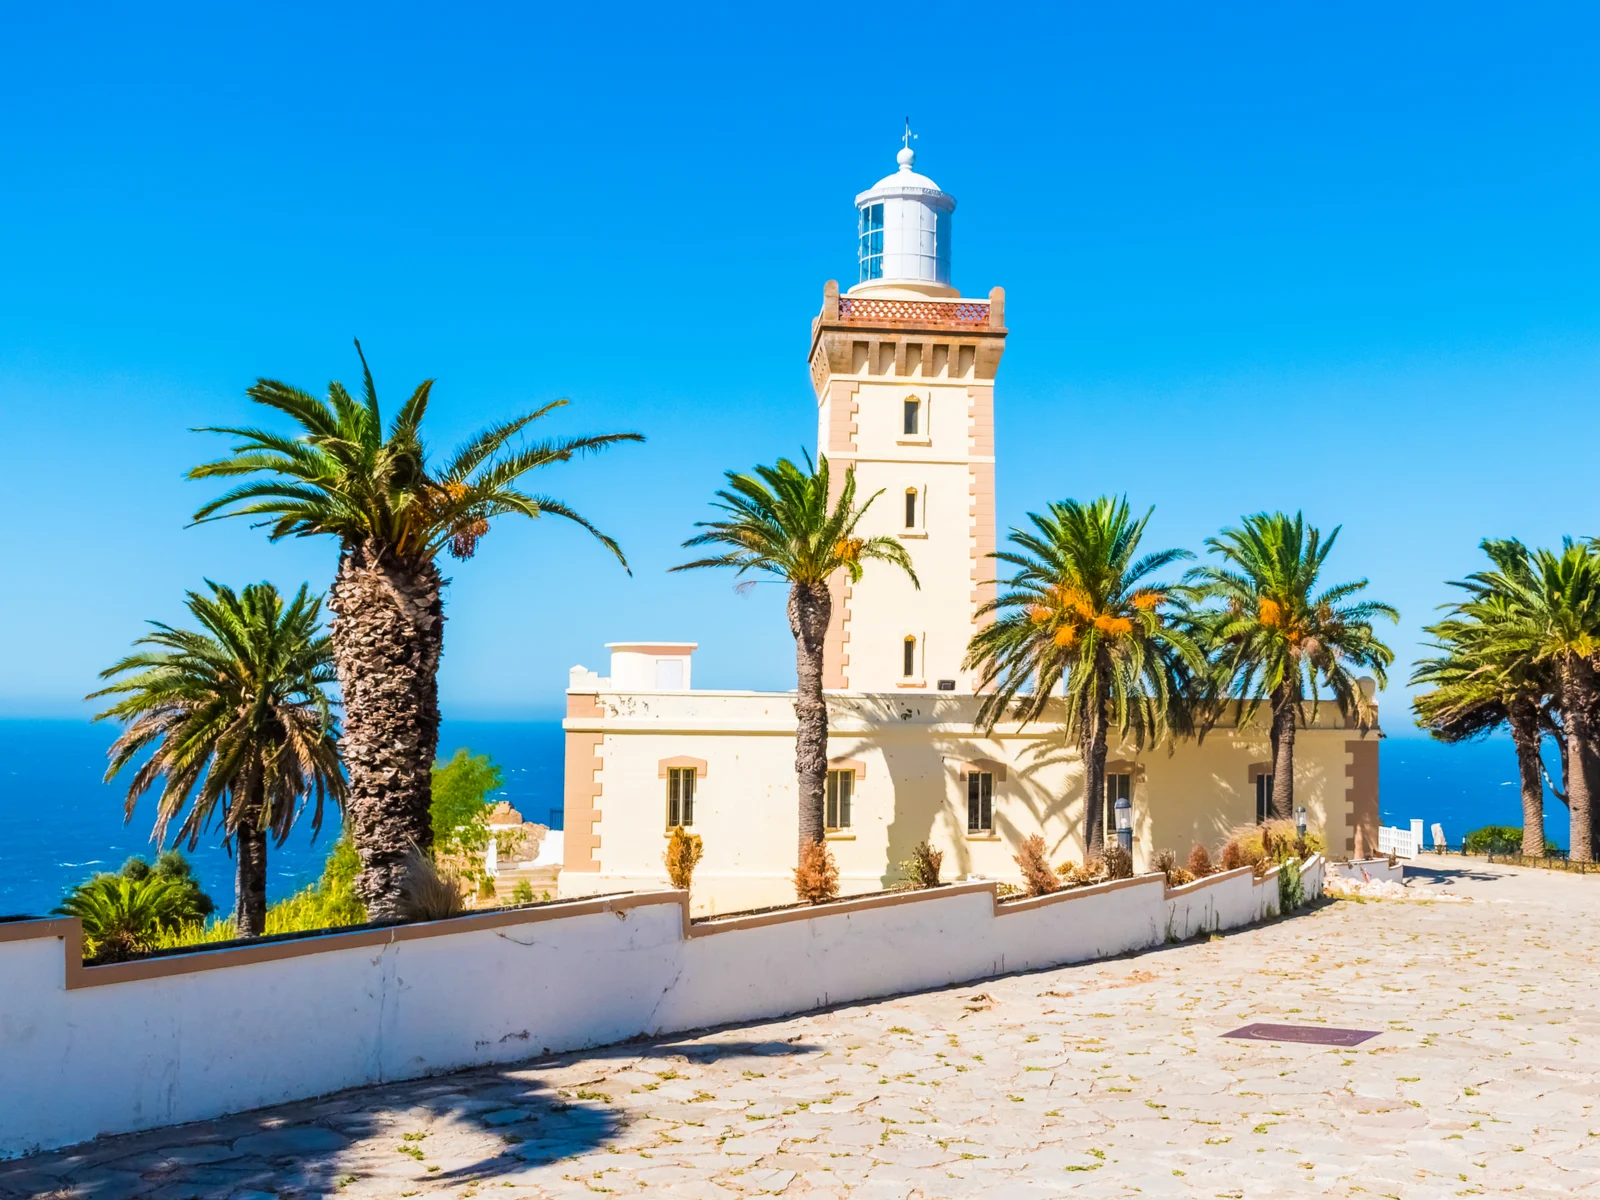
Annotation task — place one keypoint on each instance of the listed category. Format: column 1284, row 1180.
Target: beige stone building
column 904, row 372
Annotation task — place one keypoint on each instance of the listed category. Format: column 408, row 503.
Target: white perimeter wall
column 100, row 1050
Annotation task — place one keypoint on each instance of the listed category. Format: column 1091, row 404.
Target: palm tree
column 1279, row 639
column 780, row 521
column 1081, row 612
column 1556, row 600
column 235, row 718
column 1480, row 684
column 393, row 513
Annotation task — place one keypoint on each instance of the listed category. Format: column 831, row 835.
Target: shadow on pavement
column 539, row 1112
column 1451, row 875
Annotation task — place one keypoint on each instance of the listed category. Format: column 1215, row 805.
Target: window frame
column 677, row 802
column 908, row 657
column 838, row 799
column 1263, row 781
column 869, row 249
column 911, row 414
column 980, row 793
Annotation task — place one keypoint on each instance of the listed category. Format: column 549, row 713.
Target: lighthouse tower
column 904, row 366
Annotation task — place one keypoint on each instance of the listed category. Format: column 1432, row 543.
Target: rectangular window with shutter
column 841, row 791
column 980, row 802
column 1263, row 798
column 680, row 796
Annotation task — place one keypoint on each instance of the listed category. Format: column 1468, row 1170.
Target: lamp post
column 1300, row 821
column 1124, row 810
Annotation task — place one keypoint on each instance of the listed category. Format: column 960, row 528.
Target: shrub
column 1494, row 839
column 1119, row 863
column 429, row 893
column 1232, row 855
column 459, row 812
column 922, row 868
column 682, row 857
column 1166, row 862
column 124, row 917
column 1260, row 846
column 171, row 864
column 522, row 893
column 1094, row 868
column 1200, row 862
column 816, row 879
column 327, row 904
column 1291, row 889
column 1281, row 841
column 1037, row 876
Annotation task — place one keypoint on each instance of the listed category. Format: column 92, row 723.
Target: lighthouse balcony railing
column 920, row 314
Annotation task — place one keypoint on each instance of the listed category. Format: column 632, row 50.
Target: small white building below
column 903, row 368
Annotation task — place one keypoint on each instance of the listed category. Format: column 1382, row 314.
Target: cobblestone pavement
column 1107, row 1079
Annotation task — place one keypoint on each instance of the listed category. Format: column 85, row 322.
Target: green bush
column 459, row 812
column 1494, row 839
column 1291, row 888
column 327, row 904
column 522, row 893
column 138, row 908
column 123, row 917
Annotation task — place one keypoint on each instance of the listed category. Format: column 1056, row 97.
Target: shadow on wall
column 537, row 1113
column 930, row 800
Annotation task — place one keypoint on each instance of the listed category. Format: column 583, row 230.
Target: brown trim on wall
column 982, row 765
column 980, row 492
column 1190, row 888
column 1066, row 894
column 70, row 932
column 844, row 405
column 789, row 915
column 1361, row 818
column 681, row 760
column 582, row 786
column 848, row 764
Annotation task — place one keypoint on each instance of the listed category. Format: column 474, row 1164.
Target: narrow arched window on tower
column 911, row 508
column 909, row 666
column 913, row 417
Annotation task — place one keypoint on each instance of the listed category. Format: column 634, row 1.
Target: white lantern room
column 904, row 234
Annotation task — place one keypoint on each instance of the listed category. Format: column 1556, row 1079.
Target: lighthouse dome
column 903, row 233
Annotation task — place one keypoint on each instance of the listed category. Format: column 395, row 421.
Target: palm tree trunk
column 1578, row 693
column 1524, row 721
column 250, row 880
column 1283, row 730
column 1094, row 787
column 810, row 608
column 388, row 634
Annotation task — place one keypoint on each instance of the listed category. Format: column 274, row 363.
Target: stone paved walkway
column 1106, row 1080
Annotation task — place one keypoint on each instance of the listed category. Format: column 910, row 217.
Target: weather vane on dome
column 909, row 136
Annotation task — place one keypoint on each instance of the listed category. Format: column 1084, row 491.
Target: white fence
column 1402, row 843
column 86, row 1051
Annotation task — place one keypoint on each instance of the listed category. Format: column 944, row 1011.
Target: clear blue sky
column 1255, row 256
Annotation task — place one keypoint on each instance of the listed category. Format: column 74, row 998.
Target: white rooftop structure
column 904, row 232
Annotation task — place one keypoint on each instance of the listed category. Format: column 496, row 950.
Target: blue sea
column 59, row 823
